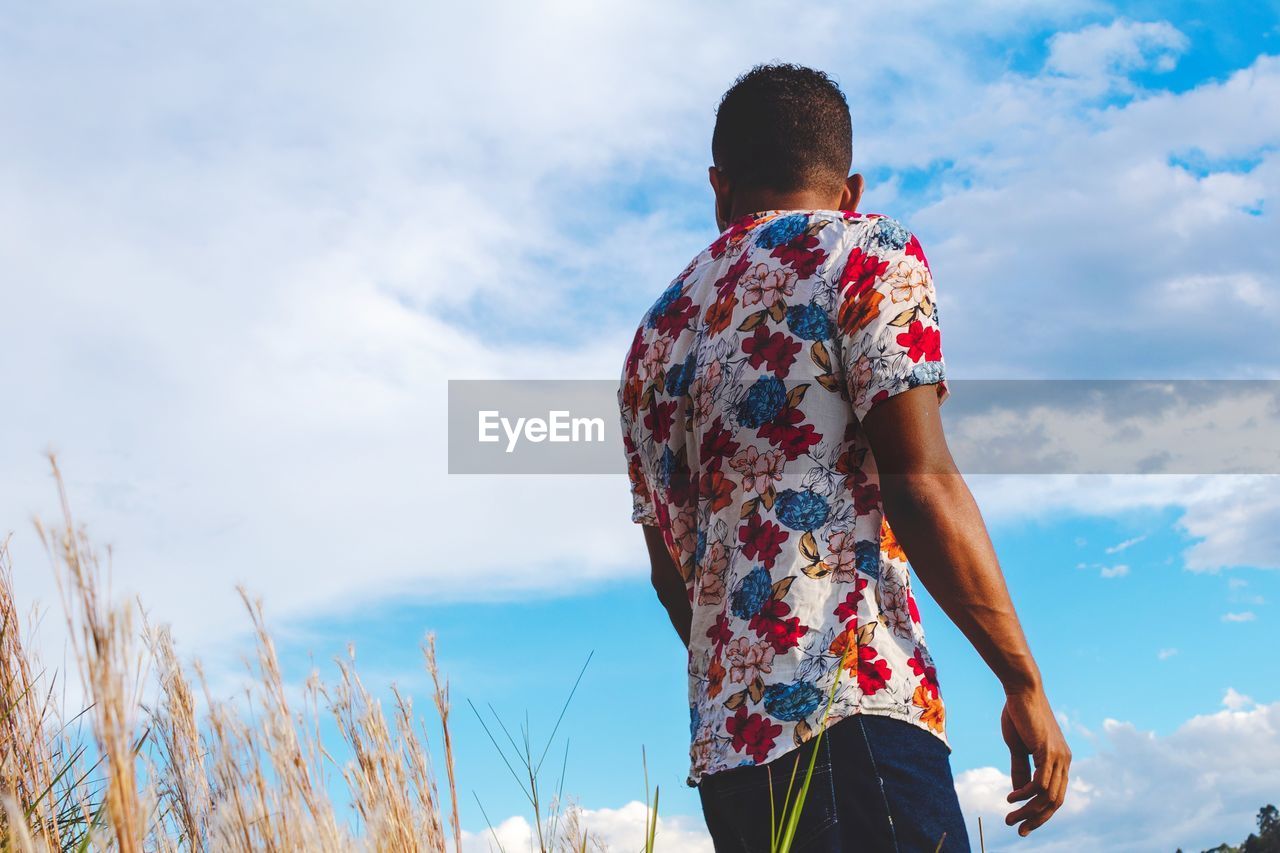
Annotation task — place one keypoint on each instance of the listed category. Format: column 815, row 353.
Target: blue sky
column 244, row 248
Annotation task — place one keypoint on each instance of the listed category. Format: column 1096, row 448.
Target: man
column 780, row 415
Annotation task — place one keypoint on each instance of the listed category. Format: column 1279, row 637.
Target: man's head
column 782, row 132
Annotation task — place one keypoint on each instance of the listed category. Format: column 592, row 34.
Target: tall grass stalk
column 159, row 762
column 783, row 832
column 557, row 823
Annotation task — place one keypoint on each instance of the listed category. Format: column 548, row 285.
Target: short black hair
column 783, row 127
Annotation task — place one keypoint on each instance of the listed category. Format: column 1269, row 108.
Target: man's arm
column 668, row 583
column 936, row 520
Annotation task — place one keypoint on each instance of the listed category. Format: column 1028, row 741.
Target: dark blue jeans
column 879, row 784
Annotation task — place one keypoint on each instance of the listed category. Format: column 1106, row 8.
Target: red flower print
column 717, row 489
column 922, row 341
column 753, row 734
column 717, row 446
column 719, row 633
column 731, row 235
column 860, row 273
column 915, row 250
column 636, row 353
column 720, row 314
column 866, row 497
column 873, row 674
column 682, row 484
column 848, row 609
column 772, row 625
column 801, row 255
column 788, row 434
column 726, row 283
column 929, row 672
column 777, row 351
column 659, row 420
column 762, row 540
column 677, row 316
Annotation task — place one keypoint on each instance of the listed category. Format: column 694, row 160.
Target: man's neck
column 758, row 200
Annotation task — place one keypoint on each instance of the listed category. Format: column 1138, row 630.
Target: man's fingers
column 1048, row 791
column 1028, row 786
column 1029, row 809
column 1036, row 822
column 1019, row 770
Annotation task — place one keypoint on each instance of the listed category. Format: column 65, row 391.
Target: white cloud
column 1194, row 787
column 1239, row 616
column 1128, row 543
column 1166, row 653
column 619, row 829
column 1119, row 46
column 1233, row 700
column 1116, row 571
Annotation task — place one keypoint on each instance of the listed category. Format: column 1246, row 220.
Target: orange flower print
column 715, row 678
column 932, row 714
column 856, row 312
column 889, row 543
column 843, row 641
column 720, row 313
column 716, row 489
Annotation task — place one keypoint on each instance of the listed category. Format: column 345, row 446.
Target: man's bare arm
column 668, row 583
column 935, row 518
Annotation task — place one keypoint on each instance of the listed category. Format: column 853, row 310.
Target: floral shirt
column 742, row 398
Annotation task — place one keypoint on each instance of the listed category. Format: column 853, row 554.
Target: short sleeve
column 887, row 318
column 641, row 495
column 642, row 506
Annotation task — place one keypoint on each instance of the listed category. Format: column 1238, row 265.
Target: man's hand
column 1033, row 735
column 668, row 583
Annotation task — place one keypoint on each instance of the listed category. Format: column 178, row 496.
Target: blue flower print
column 866, row 556
column 752, row 592
column 782, row 230
column 801, row 510
column 792, row 702
column 763, row 401
column 808, row 322
column 680, row 376
column 890, row 234
column 670, row 295
column 926, row 373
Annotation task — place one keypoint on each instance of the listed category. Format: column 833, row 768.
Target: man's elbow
column 915, row 495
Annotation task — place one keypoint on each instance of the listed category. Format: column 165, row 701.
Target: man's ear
column 723, row 203
column 852, row 193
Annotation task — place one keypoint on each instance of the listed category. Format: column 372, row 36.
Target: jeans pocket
column 751, row 801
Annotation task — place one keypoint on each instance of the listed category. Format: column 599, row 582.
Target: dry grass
column 159, row 763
